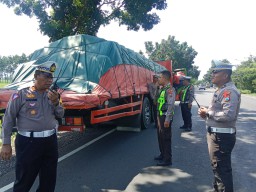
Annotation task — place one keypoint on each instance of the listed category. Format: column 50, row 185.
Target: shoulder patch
column 226, row 95
column 15, row 96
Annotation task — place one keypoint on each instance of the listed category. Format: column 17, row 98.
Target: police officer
column 186, row 99
column 220, row 119
column 34, row 110
column 165, row 112
column 152, row 88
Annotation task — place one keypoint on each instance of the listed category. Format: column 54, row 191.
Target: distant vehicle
column 202, row 87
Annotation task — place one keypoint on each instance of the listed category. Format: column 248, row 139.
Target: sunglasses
column 216, row 71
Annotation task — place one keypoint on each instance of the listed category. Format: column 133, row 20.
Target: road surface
column 123, row 161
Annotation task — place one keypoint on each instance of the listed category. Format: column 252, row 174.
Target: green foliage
column 194, row 72
column 2, row 84
column 9, row 63
column 244, row 76
column 245, row 91
column 200, row 82
column 58, row 19
column 181, row 54
column 207, row 77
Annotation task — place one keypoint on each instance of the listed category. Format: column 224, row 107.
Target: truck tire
column 146, row 114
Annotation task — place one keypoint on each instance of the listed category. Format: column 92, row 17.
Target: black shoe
column 164, row 163
column 183, row 127
column 188, row 130
column 159, row 158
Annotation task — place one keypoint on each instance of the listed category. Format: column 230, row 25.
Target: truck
column 99, row 81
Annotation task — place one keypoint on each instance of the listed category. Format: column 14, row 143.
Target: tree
column 194, row 72
column 181, row 54
column 245, row 75
column 9, row 63
column 207, row 77
column 58, row 19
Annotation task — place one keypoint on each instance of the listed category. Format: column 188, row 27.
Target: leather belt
column 221, row 130
column 40, row 134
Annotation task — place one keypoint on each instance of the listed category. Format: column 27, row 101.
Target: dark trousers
column 155, row 114
column 220, row 146
column 164, row 135
column 186, row 115
column 36, row 156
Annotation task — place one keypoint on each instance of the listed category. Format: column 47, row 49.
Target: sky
column 216, row 29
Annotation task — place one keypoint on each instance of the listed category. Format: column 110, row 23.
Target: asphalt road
column 123, row 161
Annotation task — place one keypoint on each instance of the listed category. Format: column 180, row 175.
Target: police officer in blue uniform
column 33, row 110
column 220, row 118
column 165, row 112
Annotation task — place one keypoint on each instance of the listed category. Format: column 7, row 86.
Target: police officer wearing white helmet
column 33, row 110
column 220, row 118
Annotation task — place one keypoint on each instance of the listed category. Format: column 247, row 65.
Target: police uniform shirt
column 34, row 112
column 170, row 100
column 191, row 93
column 189, row 97
column 170, row 94
column 224, row 107
column 152, row 88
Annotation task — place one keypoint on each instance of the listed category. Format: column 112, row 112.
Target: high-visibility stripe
column 184, row 93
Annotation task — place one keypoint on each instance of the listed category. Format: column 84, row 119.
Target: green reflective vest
column 161, row 100
column 184, row 93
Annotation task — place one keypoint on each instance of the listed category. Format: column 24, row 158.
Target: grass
column 2, row 84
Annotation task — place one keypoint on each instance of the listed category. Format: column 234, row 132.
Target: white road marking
column 9, row 186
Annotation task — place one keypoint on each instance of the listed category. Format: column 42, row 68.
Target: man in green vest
column 165, row 112
column 186, row 99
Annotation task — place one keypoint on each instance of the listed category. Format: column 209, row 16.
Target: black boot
column 164, row 163
column 183, row 127
column 158, row 158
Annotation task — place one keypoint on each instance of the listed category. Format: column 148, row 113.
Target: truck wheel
column 146, row 114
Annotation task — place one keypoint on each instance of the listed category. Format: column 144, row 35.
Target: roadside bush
column 245, row 91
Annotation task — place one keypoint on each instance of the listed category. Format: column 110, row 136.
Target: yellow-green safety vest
column 161, row 100
column 184, row 93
